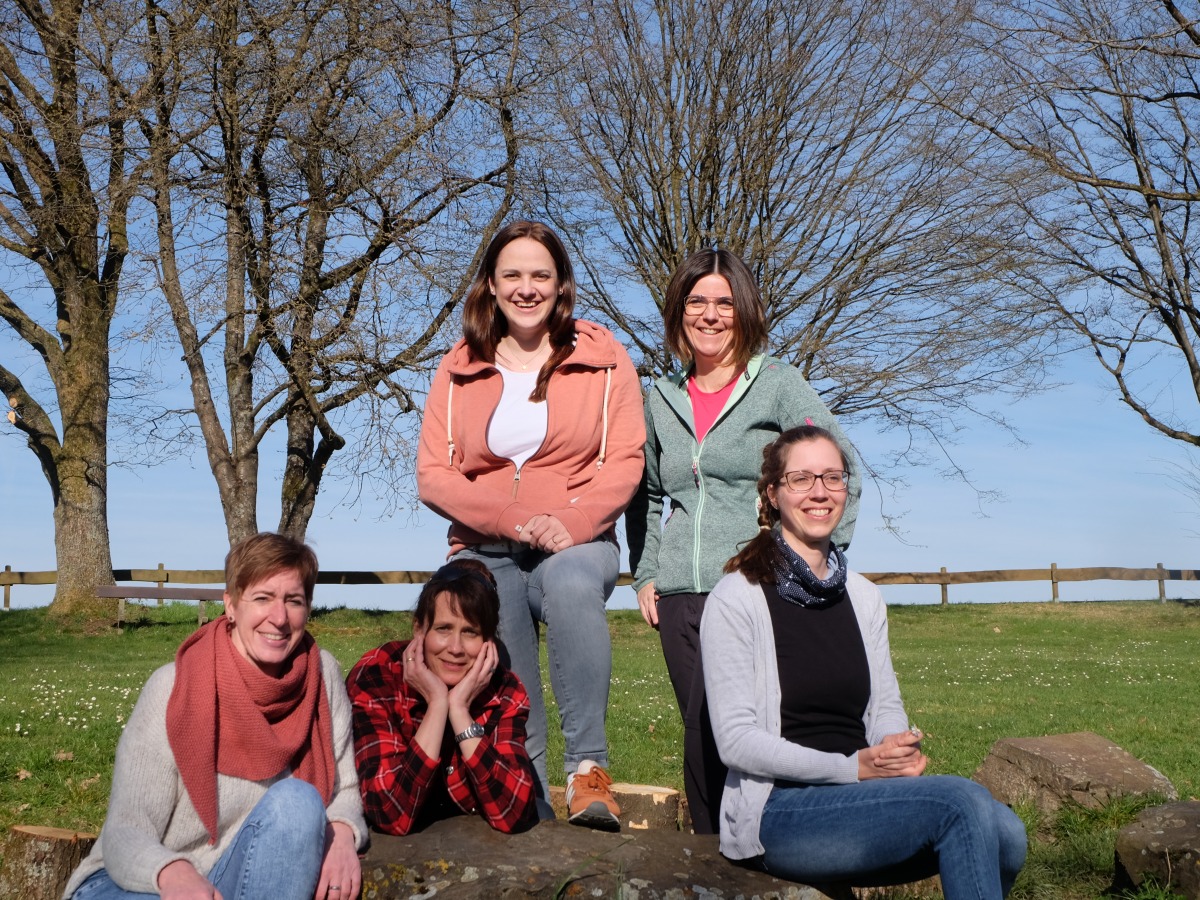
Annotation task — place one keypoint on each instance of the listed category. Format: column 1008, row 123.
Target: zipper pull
column 696, row 470
column 516, row 482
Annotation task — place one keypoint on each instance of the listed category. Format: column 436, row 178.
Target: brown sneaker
column 590, row 803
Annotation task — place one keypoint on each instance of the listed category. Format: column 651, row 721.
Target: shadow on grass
column 324, row 612
column 141, row 623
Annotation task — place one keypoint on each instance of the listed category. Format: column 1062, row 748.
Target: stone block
column 464, row 859
column 1163, row 843
column 1082, row 767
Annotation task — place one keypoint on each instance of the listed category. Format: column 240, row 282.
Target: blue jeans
column 276, row 854
column 895, row 830
column 567, row 591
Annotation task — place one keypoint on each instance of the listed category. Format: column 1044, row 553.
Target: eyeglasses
column 802, row 482
column 697, row 304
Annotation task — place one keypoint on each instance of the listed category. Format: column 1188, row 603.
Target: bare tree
column 71, row 163
column 795, row 134
column 320, row 180
column 1100, row 100
column 321, row 196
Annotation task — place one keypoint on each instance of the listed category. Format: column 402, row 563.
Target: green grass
column 1126, row 671
column 970, row 674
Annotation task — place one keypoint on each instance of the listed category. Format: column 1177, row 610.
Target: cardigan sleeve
column 885, row 711
column 604, row 498
column 643, row 518
column 798, row 402
column 742, row 683
column 346, row 804
column 144, row 793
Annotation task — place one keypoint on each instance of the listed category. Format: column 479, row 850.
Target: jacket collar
column 673, row 389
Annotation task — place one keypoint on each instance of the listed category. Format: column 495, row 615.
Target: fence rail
column 1054, row 574
column 163, row 576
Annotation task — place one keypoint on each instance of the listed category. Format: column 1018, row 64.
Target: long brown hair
column 484, row 324
column 749, row 319
column 760, row 555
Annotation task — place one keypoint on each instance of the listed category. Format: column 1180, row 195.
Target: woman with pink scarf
column 239, row 751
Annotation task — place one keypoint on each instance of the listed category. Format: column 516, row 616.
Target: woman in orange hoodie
column 532, row 447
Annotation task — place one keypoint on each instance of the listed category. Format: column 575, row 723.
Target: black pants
column 703, row 771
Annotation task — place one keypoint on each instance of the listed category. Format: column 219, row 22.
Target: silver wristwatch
column 475, row 731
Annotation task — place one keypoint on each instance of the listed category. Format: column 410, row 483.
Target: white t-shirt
column 518, row 426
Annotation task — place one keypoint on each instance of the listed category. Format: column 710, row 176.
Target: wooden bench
column 122, row 592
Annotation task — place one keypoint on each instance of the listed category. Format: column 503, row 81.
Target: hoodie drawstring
column 450, row 420
column 604, row 418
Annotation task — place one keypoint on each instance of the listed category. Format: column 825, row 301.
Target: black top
column 824, row 680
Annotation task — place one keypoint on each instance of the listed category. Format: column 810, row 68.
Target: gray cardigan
column 741, row 676
column 713, row 484
column 151, row 822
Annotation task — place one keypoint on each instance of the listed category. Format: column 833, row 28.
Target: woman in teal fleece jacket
column 705, row 430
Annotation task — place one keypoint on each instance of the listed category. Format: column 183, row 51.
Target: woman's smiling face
column 269, row 620
column 451, row 642
column 808, row 519
column 709, row 334
column 526, row 286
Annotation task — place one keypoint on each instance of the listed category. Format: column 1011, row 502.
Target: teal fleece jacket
column 711, row 484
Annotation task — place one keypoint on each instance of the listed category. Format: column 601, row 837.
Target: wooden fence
column 1055, row 575
column 162, row 576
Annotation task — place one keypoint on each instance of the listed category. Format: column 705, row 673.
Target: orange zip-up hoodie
column 585, row 471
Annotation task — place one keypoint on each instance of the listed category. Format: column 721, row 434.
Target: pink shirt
column 706, row 407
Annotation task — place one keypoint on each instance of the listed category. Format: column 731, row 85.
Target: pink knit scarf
column 225, row 715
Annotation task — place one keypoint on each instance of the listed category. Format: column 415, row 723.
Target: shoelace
column 596, row 779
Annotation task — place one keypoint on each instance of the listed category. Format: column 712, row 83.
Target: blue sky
column 1090, row 487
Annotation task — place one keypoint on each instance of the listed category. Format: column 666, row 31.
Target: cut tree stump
column 35, row 862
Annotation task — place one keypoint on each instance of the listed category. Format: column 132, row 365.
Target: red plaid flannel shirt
column 396, row 776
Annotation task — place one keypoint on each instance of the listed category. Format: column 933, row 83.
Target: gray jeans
column 567, row 591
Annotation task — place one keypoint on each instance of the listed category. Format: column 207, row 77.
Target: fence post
column 1053, row 582
column 7, row 587
column 161, row 579
column 1162, row 584
column 945, row 589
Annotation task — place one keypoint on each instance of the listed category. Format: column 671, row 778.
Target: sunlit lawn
column 970, row 674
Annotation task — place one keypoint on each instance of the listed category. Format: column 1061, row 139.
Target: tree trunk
column 236, row 474
column 36, row 862
column 84, row 557
column 66, row 201
column 79, row 480
column 304, row 468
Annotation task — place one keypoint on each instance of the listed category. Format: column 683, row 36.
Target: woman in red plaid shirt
column 439, row 725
